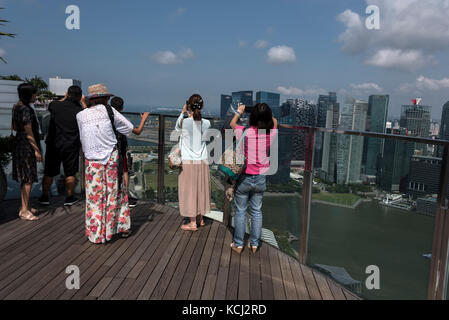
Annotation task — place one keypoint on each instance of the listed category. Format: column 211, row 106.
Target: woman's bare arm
column 240, row 112
column 137, row 131
column 32, row 141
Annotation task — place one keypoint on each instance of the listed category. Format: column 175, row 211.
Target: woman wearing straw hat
column 107, row 209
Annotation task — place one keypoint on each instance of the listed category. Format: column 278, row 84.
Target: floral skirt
column 107, row 207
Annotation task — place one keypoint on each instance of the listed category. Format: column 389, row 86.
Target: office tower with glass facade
column 444, row 128
column 304, row 115
column 424, row 176
column 272, row 99
column 328, row 116
column 350, row 148
column 245, row 97
column 395, row 163
column 416, row 119
column 376, row 122
column 226, row 102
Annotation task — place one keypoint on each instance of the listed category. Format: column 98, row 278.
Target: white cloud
column 242, row 43
column 411, row 31
column 2, row 52
column 423, row 83
column 261, row 44
column 399, row 59
column 368, row 87
column 297, row 92
column 186, row 53
column 169, row 57
column 281, row 54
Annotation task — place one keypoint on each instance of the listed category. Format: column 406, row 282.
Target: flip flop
column 28, row 216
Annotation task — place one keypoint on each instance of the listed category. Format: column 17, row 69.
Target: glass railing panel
column 143, row 153
column 373, row 207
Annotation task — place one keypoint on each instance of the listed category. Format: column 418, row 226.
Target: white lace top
column 96, row 133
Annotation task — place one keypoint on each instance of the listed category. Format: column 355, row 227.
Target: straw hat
column 97, row 91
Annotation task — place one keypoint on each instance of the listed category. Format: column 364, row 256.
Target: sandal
column 202, row 223
column 253, row 248
column 28, row 216
column 189, row 227
column 126, row 234
column 236, row 249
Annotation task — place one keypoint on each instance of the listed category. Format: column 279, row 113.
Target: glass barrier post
column 161, row 161
column 306, row 194
column 438, row 267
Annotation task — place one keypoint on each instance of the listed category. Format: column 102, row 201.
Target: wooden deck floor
column 158, row 262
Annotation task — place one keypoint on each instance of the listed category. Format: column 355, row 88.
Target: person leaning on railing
column 107, row 209
column 251, row 185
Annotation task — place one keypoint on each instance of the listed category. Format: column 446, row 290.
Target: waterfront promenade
column 159, row 261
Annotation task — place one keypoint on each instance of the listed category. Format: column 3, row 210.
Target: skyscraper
column 395, row 163
column 376, row 122
column 444, row 127
column 326, row 144
column 245, row 97
column 416, row 119
column 304, row 114
column 226, row 102
column 350, row 148
column 272, row 99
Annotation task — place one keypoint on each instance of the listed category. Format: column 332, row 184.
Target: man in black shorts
column 63, row 145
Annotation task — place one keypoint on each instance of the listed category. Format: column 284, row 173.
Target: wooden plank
column 337, row 291
column 152, row 256
column 56, row 286
column 116, row 260
column 201, row 271
column 350, row 295
column 276, row 274
column 323, row 286
column 125, row 263
column 255, row 281
column 33, row 262
column 212, row 271
column 311, row 284
column 232, row 289
column 223, row 269
column 175, row 282
column 243, row 293
column 189, row 275
column 166, row 277
column 156, row 274
column 43, row 276
column 289, row 284
column 298, row 278
column 265, row 274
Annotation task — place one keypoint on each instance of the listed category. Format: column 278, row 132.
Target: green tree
column 3, row 23
column 41, row 87
column 14, row 77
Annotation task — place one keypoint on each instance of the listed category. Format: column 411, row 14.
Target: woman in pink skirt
column 194, row 179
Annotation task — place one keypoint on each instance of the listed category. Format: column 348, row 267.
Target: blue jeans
column 249, row 189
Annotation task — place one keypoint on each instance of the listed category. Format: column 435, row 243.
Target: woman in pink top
column 252, row 184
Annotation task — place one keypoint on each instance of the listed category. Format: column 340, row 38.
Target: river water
column 392, row 239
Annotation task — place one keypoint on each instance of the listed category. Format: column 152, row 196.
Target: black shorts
column 53, row 159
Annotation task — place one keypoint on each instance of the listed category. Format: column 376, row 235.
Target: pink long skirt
column 194, row 189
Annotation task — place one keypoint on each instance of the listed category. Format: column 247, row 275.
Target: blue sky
column 159, row 52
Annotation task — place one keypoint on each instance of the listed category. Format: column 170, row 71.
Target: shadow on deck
column 159, row 261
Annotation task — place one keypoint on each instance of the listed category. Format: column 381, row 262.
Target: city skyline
column 148, row 52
